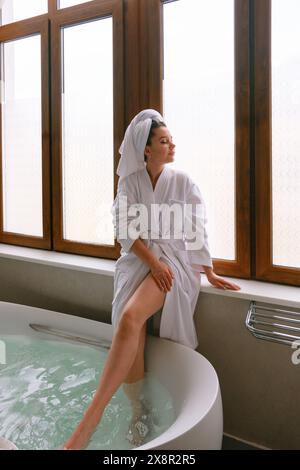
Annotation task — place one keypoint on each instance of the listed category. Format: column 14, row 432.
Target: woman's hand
column 162, row 275
column 221, row 283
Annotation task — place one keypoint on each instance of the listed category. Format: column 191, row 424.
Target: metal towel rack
column 281, row 326
column 69, row 336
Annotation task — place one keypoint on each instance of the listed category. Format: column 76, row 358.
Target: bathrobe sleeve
column 198, row 257
column 125, row 198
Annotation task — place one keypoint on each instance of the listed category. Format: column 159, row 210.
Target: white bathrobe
column 173, row 186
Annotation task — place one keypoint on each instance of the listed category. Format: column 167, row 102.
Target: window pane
column 88, row 132
column 198, row 103
column 22, row 136
column 69, row 3
column 16, row 10
column 285, row 132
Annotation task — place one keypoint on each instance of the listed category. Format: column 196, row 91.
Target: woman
column 156, row 268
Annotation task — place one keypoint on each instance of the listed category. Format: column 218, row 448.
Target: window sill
column 59, row 260
column 278, row 294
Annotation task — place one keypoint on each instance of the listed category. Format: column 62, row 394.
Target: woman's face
column 162, row 149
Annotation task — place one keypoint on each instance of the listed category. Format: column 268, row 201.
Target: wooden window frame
column 61, row 18
column 265, row 269
column 10, row 32
column 138, row 72
column 151, row 78
column 48, row 25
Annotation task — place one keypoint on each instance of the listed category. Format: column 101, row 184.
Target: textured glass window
column 22, row 136
column 69, row 3
column 198, row 104
column 87, row 132
column 285, row 132
column 16, row 10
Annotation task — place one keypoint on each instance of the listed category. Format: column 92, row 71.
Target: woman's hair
column 154, row 125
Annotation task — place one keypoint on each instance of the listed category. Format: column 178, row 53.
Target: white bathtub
column 186, row 374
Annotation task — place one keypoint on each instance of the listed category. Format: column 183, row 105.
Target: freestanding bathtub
column 187, row 375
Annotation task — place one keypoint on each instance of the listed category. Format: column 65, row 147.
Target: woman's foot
column 140, row 425
column 80, row 437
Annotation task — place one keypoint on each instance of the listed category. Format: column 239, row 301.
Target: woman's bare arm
column 218, row 281
column 145, row 254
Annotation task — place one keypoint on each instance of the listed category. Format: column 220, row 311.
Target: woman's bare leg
column 133, row 383
column 137, row 370
column 146, row 301
column 133, row 386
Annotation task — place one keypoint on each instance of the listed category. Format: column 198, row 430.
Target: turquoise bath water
column 45, row 387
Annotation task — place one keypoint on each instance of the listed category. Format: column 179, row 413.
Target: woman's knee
column 130, row 321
